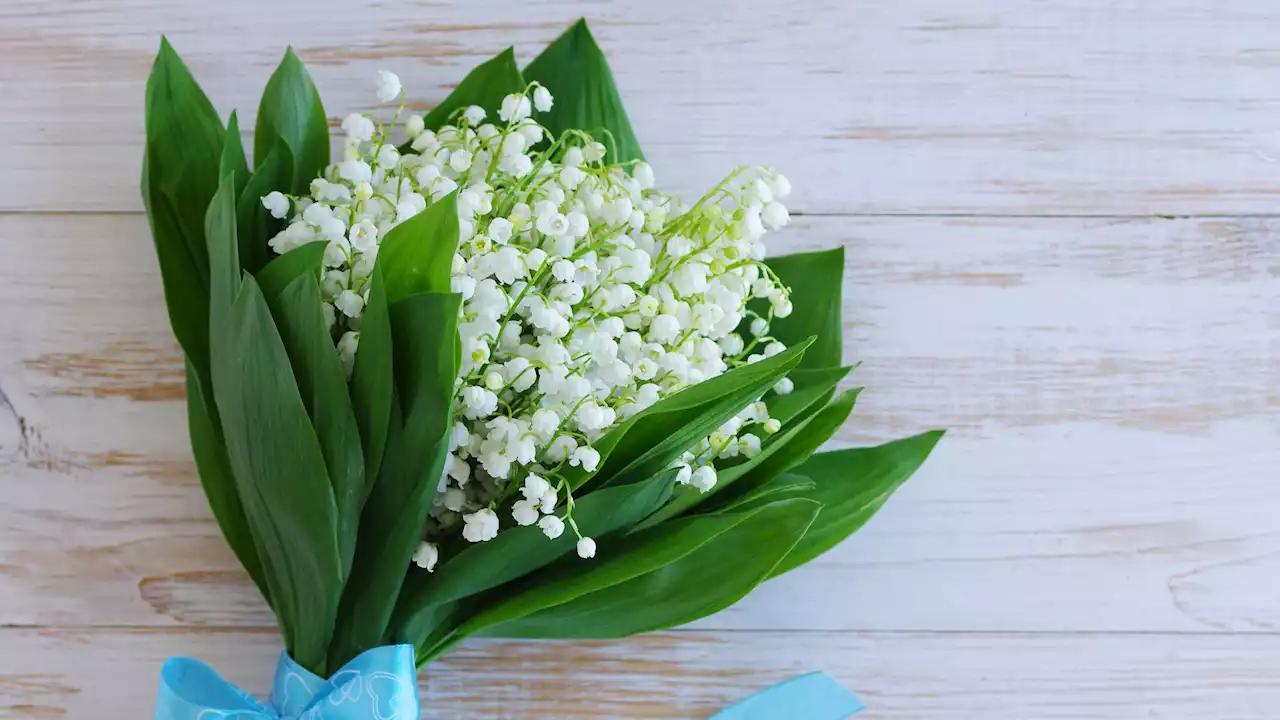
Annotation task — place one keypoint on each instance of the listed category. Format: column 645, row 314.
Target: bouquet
column 478, row 376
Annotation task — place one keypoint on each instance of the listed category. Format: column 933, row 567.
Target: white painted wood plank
column 1111, row 388
column 78, row 673
column 907, row 107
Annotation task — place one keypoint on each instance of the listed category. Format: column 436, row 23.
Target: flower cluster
column 588, row 296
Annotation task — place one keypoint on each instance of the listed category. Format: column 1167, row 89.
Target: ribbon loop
column 379, row 684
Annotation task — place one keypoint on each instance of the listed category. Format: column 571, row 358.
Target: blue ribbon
column 814, row 696
column 381, row 684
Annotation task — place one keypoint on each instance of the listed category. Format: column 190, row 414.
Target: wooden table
column 1062, row 242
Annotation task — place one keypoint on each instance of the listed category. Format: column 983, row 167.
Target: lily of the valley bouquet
column 476, row 375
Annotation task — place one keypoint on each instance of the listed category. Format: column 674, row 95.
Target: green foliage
column 574, row 69
column 291, row 113
column 322, row 485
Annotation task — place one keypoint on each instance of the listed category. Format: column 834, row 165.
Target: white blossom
column 542, row 99
column 586, row 548
column 426, row 556
column 587, row 296
column 277, row 204
column 552, row 526
column 388, row 86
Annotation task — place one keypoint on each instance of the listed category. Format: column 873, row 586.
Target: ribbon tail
column 815, row 696
column 191, row 690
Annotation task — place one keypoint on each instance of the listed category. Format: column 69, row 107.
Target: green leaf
column 485, row 86
column 632, row 557
column 518, row 551
column 219, row 485
column 417, row 255
column 223, row 251
column 280, row 473
column 852, row 485
column 648, row 442
column 323, row 386
column 233, row 162
column 371, row 379
column 791, row 449
column 281, row 272
column 424, row 336
column 575, row 71
column 291, row 111
column 256, row 226
column 184, row 148
column 816, row 280
column 782, row 487
column 794, row 409
column 715, row 575
column 180, row 167
column 811, row 386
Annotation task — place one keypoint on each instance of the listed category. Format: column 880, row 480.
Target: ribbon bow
column 380, row 684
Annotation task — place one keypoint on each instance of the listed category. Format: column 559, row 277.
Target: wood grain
column 1111, row 389
column 685, row 676
column 982, row 106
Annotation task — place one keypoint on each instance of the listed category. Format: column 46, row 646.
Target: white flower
column 643, row 174
column 350, row 303
column 586, row 548
column 426, row 556
column 358, row 128
column 474, row 114
column 784, row 386
column 480, row 526
column 276, row 203
column 749, row 445
column 388, row 86
column 775, row 215
column 525, row 512
column 460, row 160
column 704, row 478
column 542, row 99
column 552, row 526
column 414, row 125
column 355, row 171
column 759, row 327
column 587, row 457
column 514, row 108
column 772, row 425
column 781, row 187
column 347, row 345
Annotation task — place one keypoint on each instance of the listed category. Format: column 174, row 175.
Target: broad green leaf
column 184, row 149
column 518, row 551
column 425, row 363
column 648, row 442
column 782, row 487
column 585, row 97
column 417, row 255
column 631, row 557
column 233, row 162
column 180, row 173
column 812, row 386
column 280, row 472
column 186, row 285
column 223, row 251
column 712, row 577
column 291, row 111
column 815, row 280
column 485, row 86
column 793, row 448
column 371, row 379
column 256, row 226
column 852, row 485
column 284, row 269
column 219, row 485
column 323, row 386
